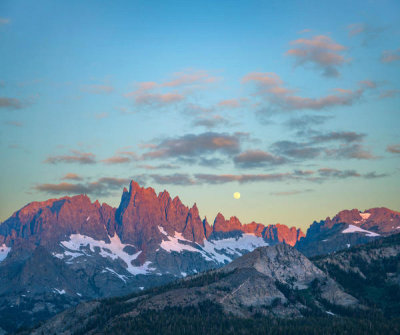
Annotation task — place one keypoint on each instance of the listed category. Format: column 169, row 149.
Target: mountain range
column 274, row 290
column 57, row 253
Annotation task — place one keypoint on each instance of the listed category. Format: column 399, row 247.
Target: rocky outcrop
column 278, row 233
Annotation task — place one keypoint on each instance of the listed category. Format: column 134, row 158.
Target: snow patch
column 348, row 245
column 122, row 277
column 220, row 251
column 330, row 313
column 87, row 219
column 56, row 290
column 4, row 250
column 114, row 250
column 355, row 229
column 227, row 249
column 365, row 216
column 161, row 229
column 184, row 274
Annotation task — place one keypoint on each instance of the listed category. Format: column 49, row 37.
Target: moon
column 236, row 195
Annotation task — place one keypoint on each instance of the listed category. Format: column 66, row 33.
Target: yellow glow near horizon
column 236, row 195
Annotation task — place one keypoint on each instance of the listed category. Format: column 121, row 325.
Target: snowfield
column 219, row 251
column 354, row 229
column 4, row 250
column 75, row 248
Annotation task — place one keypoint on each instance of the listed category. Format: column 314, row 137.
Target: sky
column 294, row 104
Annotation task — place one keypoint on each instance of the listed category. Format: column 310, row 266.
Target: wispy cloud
column 389, row 94
column 356, row 151
column 4, row 21
column 75, row 157
column 341, row 174
column 345, row 136
column 192, row 145
column 366, row 31
column 393, row 148
column 102, row 187
column 271, row 87
column 292, row 192
column 122, row 157
column 210, row 121
column 14, row 123
column 172, row 91
column 390, row 56
column 257, row 158
column 189, row 78
column 98, row 89
column 173, row 179
column 10, row 103
column 321, row 52
column 72, row 176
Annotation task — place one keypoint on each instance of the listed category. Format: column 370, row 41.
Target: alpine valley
column 65, row 252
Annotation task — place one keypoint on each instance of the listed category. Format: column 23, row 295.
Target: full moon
column 236, row 195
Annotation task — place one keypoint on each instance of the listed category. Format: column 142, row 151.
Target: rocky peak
column 279, row 233
column 194, row 229
column 223, row 225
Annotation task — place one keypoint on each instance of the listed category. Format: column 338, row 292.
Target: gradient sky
column 294, row 104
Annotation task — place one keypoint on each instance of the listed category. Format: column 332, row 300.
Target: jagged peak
column 219, row 216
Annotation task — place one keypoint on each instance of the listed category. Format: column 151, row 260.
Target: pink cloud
column 271, row 87
column 320, row 51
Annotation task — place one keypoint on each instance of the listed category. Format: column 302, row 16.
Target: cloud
column 345, row 136
column 389, row 94
column 366, row 31
column 393, row 148
column 159, row 99
column 4, row 21
column 356, row 151
column 102, row 187
column 76, row 157
column 271, row 87
column 158, row 167
column 390, row 56
column 257, row 158
column 296, row 150
column 102, row 115
column 194, row 145
column 356, row 28
column 242, row 178
column 304, row 31
column 72, row 176
column 98, row 89
column 231, row 103
column 189, row 78
column 320, row 51
column 121, row 157
column 173, row 179
column 210, row 121
column 335, row 173
column 293, row 192
column 306, row 121
column 374, row 175
column 155, row 94
column 14, row 123
column 10, row 103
